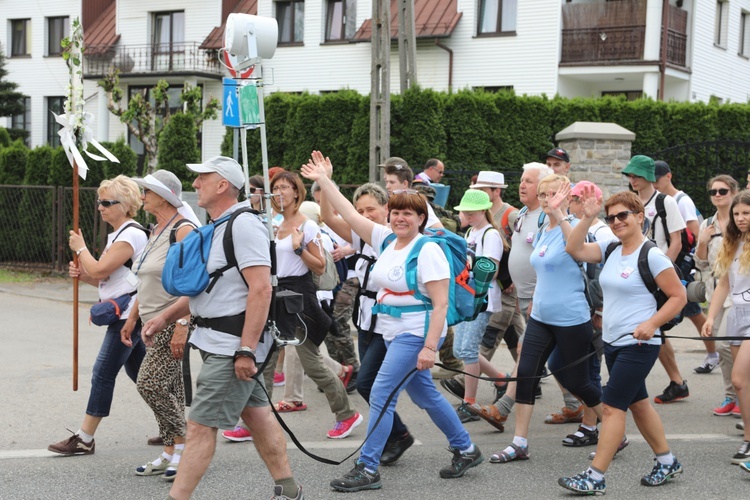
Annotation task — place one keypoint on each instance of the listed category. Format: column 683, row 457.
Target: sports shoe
column 708, row 365
column 584, row 484
column 464, row 414
column 565, row 416
column 589, row 438
column 725, row 408
column 357, row 479
column 346, row 375
column 743, row 454
column 74, row 445
column 278, row 379
column 623, row 444
column 745, row 466
column 150, row 469
column 661, row 473
column 278, row 494
column 673, row 392
column 394, row 448
column 345, row 427
column 461, row 462
column 238, row 435
column 454, row 387
column 489, row 414
column 736, row 413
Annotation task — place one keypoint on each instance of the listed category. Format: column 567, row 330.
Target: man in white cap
column 226, row 387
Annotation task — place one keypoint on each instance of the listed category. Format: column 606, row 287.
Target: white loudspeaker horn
column 250, row 38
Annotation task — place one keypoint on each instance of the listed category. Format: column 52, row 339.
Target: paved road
column 38, row 405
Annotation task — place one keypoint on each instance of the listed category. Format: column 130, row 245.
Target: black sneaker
column 357, row 479
column 461, row 462
column 743, row 454
column 673, row 392
column 394, row 448
column 465, row 415
column 453, row 386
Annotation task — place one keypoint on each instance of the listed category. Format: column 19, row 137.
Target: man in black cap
column 559, row 161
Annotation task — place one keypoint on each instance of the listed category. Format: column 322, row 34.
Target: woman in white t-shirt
column 118, row 202
column 413, row 330
column 483, row 240
column 732, row 268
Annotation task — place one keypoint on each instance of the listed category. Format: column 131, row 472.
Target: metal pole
column 407, row 45
column 245, row 169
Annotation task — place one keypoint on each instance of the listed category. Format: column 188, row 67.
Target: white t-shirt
column 686, row 206
column 389, row 273
column 601, row 231
column 289, row 263
column 327, row 243
column 675, row 222
column 360, row 269
column 486, row 242
column 522, row 245
column 115, row 285
column 739, row 283
column 432, row 219
column 627, row 301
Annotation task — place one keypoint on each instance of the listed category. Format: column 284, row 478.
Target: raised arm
column 319, row 169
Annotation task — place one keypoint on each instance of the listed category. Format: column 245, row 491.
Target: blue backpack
column 461, row 294
column 185, row 272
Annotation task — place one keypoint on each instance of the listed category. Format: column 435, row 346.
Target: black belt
column 232, row 325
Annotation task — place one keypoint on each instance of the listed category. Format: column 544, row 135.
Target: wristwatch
column 299, row 250
column 245, row 351
column 182, row 322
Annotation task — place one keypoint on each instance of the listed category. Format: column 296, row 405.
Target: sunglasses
column 714, row 192
column 253, row 189
column 107, row 203
column 405, row 191
column 619, row 216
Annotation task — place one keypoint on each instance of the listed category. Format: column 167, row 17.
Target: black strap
column 176, row 226
column 232, row 325
column 228, row 243
column 129, row 263
column 661, row 212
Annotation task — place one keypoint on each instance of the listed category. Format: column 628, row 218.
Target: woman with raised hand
column 630, row 331
column 118, row 202
column 413, row 338
column 732, row 268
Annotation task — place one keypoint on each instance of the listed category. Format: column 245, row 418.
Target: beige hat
column 489, row 179
column 224, row 166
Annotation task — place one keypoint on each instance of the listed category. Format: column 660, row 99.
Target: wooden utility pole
column 380, row 87
column 407, row 44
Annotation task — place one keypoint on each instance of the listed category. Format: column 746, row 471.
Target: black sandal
column 589, row 438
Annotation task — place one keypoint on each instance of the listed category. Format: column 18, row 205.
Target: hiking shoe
column 566, row 416
column 743, row 454
column 623, row 444
column 345, row 427
column 453, row 386
column 357, row 479
column 489, row 414
column 74, row 445
column 150, row 469
column 661, row 473
column 278, row 379
column 461, row 462
column 278, row 494
column 589, row 438
column 708, row 365
column 465, row 415
column 584, row 484
column 500, row 389
column 673, row 392
column 238, row 435
column 736, row 413
column 394, row 448
column 725, row 408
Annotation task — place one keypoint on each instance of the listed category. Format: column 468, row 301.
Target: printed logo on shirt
column 396, row 273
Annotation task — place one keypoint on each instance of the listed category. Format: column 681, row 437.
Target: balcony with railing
column 611, row 33
column 186, row 58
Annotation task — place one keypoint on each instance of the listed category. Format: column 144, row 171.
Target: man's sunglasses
column 714, row 192
column 107, row 203
column 619, row 216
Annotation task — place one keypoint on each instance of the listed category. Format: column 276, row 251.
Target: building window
column 291, row 19
column 54, row 105
column 744, row 34
column 169, row 41
column 20, row 44
column 720, row 23
column 57, row 29
column 340, row 19
column 22, row 121
column 497, row 16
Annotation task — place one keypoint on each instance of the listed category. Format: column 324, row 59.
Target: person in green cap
column 641, row 173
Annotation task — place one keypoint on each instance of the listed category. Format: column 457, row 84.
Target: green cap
column 642, row 166
column 473, row 201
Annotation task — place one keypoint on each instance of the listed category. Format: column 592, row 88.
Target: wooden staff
column 75, row 280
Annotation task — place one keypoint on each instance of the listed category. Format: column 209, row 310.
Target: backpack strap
column 610, row 248
column 644, row 270
column 228, row 244
column 661, row 212
column 173, row 231
column 129, row 263
column 504, row 220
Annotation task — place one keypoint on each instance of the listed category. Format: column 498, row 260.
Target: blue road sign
column 230, row 104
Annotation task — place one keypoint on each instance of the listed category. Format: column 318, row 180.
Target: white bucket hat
column 489, row 179
column 165, row 184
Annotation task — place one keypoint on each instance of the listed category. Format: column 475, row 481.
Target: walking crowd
column 575, row 278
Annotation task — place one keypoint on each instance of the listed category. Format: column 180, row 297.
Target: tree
column 147, row 120
column 179, row 146
column 10, row 100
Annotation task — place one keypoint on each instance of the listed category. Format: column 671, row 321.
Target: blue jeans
column 468, row 336
column 400, row 359
column 113, row 355
column 371, row 356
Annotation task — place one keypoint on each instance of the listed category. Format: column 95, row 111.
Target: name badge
column 627, row 272
column 530, row 237
column 131, row 279
column 542, row 250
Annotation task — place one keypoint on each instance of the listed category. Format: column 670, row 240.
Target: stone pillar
column 598, row 153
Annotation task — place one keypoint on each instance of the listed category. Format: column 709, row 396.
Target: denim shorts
column 628, row 368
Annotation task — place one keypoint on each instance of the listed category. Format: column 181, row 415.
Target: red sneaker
column 238, row 435
column 345, row 427
column 725, row 409
column 736, row 412
column 347, row 375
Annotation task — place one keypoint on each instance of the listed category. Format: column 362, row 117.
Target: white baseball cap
column 489, row 179
column 224, row 166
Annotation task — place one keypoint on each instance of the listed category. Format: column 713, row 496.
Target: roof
column 215, row 39
column 432, row 19
column 102, row 35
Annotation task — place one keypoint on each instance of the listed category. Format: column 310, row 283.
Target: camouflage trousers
column 446, row 353
column 341, row 346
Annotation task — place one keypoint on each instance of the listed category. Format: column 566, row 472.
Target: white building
column 567, row 47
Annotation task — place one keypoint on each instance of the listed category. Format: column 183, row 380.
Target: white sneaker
column 708, row 365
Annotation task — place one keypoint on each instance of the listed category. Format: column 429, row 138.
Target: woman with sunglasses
column 732, row 268
column 413, row 339
column 119, row 201
column 560, row 317
column 631, row 335
column 721, row 190
column 256, row 192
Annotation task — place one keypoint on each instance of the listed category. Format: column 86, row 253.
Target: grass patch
column 9, row 276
